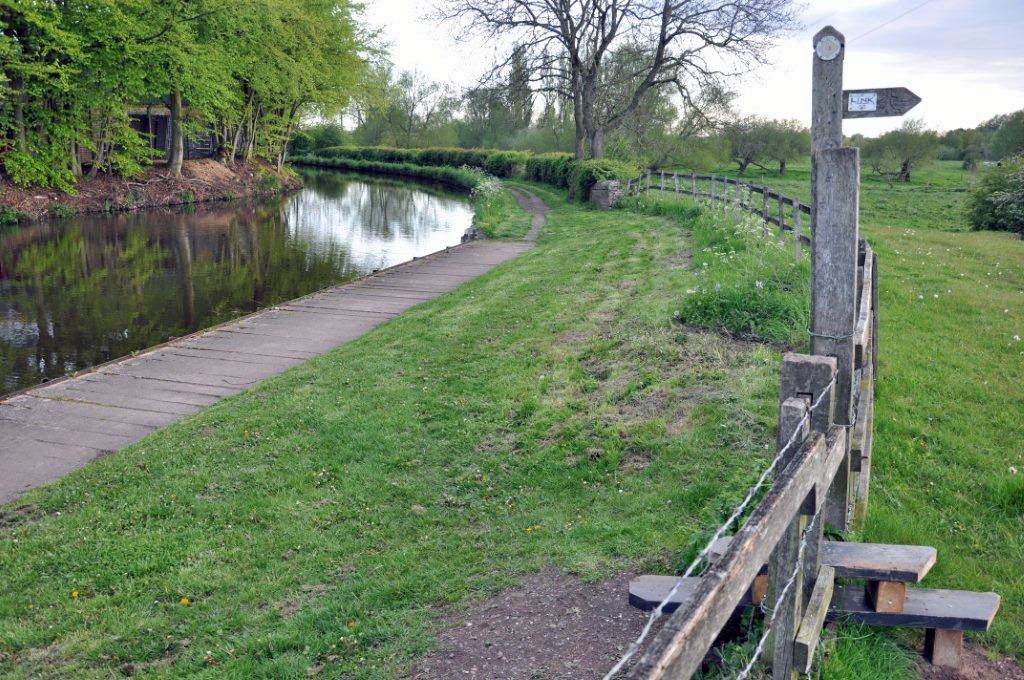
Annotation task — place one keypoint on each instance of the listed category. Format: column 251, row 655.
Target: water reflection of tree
column 77, row 293
column 102, row 288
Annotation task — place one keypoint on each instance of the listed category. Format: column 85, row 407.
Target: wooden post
column 675, row 180
column 782, row 221
column 803, row 375
column 797, row 223
column 786, row 556
column 648, row 180
column 834, row 292
column 712, row 188
column 736, row 199
column 693, row 183
column 764, row 213
column 835, row 185
column 662, row 180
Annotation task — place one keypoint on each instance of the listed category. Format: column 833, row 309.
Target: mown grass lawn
column 549, row 412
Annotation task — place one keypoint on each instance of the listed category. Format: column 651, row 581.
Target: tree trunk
column 19, row 115
column 597, row 143
column 76, row 159
column 176, row 154
column 904, row 172
column 782, row 168
column 743, row 166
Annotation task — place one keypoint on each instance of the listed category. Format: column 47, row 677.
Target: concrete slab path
column 48, row 431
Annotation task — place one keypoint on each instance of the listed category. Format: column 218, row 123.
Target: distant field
column 934, row 199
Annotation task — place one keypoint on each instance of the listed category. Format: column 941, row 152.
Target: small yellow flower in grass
column 185, row 601
column 74, row 594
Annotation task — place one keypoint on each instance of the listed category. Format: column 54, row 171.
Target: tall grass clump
column 748, row 285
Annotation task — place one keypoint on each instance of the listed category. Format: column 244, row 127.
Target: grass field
column 550, row 412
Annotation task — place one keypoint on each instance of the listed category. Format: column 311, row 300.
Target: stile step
column 868, row 561
column 923, row 608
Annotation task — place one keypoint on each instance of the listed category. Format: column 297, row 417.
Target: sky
column 964, row 58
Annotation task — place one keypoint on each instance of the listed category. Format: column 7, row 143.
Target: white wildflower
column 759, row 284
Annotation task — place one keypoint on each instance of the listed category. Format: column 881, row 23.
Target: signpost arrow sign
column 887, row 101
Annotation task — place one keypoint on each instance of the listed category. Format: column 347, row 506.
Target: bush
column 583, row 175
column 550, row 168
column 9, row 216
column 998, row 202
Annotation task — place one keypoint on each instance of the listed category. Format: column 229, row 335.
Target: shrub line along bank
column 561, row 170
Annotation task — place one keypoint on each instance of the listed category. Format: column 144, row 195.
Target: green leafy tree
column 1008, row 140
column 898, row 152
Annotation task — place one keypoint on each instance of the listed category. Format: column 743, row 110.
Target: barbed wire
column 737, row 511
column 778, row 601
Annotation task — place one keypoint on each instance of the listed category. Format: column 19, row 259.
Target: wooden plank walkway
column 50, row 430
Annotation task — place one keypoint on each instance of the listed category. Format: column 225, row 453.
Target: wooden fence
column 778, row 558
column 774, row 208
column 812, row 485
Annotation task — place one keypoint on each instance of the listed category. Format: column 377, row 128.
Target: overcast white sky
column 964, row 58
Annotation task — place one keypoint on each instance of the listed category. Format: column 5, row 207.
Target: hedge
column 458, row 178
column 557, row 169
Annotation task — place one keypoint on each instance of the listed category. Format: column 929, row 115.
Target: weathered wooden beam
column 680, row 646
column 923, row 608
column 834, row 292
column 887, row 597
column 786, row 557
column 797, row 228
column 862, row 329
column 944, row 647
column 813, row 619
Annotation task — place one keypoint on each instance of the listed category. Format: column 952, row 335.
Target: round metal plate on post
column 828, row 48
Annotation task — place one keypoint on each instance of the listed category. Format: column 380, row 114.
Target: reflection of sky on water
column 379, row 226
column 78, row 292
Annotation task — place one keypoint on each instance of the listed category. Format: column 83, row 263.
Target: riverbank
column 202, row 181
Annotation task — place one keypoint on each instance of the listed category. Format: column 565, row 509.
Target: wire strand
column 737, row 511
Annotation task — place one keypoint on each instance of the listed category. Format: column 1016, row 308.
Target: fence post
column 805, row 375
column 834, row 292
column 797, row 224
column 782, row 221
column 675, row 181
column 662, row 180
column 712, row 188
column 786, row 557
column 693, row 183
column 835, row 180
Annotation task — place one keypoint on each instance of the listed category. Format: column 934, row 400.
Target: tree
column 245, row 71
column 748, row 139
column 786, row 140
column 1008, row 140
column 568, row 44
column 898, row 152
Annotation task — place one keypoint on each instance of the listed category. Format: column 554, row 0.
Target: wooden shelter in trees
column 155, row 122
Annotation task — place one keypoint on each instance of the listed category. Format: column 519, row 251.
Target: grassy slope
column 545, row 412
column 949, row 419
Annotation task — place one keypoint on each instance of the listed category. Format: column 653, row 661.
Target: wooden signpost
column 888, row 101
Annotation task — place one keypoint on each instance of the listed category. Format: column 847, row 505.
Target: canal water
column 75, row 293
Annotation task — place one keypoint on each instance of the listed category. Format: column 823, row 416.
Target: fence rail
column 735, row 193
